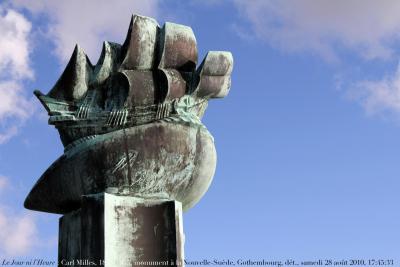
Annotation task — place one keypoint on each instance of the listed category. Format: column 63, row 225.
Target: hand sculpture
column 131, row 123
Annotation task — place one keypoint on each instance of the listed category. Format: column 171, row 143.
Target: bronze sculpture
column 131, row 124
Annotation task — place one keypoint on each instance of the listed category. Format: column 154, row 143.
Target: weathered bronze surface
column 131, row 124
column 115, row 231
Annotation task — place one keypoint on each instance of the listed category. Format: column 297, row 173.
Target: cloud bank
column 18, row 231
column 379, row 96
column 367, row 28
column 87, row 23
column 14, row 44
column 15, row 67
column 3, row 183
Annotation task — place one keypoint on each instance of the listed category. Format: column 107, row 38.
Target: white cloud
column 367, row 27
column 14, row 45
column 18, row 232
column 13, row 104
column 15, row 109
column 88, row 22
column 7, row 133
column 379, row 97
column 15, row 50
column 3, row 183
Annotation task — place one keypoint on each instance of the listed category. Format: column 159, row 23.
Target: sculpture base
column 119, row 231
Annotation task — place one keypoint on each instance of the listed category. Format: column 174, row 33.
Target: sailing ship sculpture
column 131, row 124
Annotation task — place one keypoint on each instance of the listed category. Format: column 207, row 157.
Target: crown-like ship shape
column 132, row 123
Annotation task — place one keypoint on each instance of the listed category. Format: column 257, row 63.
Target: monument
column 135, row 150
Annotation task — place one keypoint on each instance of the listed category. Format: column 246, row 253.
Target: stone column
column 118, row 231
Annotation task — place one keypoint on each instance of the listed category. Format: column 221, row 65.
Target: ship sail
column 73, row 83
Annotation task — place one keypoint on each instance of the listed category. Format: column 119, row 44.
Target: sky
column 307, row 139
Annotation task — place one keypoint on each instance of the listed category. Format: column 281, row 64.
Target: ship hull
column 157, row 160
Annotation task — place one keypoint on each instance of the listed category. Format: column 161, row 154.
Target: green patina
column 133, row 120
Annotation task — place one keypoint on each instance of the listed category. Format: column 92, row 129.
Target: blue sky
column 307, row 140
